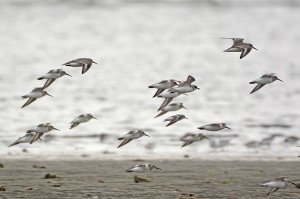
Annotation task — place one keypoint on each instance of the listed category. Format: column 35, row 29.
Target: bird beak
column 56, row 129
column 157, row 168
column 94, row 62
column 198, row 88
column 186, row 118
column 94, row 117
column 254, row 48
column 68, row 74
column 185, row 108
column 279, row 80
column 49, row 95
column 146, row 135
column 227, row 127
column 292, row 182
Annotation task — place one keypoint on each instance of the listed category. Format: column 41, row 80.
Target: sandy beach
column 108, row 179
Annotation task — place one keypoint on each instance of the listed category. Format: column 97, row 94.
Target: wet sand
column 108, row 179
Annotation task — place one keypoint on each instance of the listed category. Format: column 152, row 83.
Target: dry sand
column 108, row 179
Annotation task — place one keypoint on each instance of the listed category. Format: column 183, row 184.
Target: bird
column 171, row 107
column 39, row 131
column 24, row 139
column 174, row 118
column 51, row 76
column 277, row 183
column 81, row 119
column 239, row 46
column 169, row 96
column 184, row 89
column 214, row 127
column 263, row 80
column 85, row 63
column 141, row 168
column 130, row 136
column 191, row 137
column 163, row 85
column 34, row 94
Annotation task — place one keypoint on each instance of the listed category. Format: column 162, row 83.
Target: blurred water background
column 138, row 43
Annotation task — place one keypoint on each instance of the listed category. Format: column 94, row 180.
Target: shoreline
column 108, row 179
column 122, row 157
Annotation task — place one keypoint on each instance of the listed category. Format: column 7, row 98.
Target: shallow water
column 140, row 43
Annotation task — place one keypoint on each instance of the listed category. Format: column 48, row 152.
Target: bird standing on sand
column 265, row 79
column 141, row 168
column 81, row 119
column 85, row 63
column 214, row 127
column 33, row 95
column 277, row 183
column 51, row 76
column 130, row 136
column 239, row 46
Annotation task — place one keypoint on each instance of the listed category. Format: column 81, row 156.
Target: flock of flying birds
column 167, row 89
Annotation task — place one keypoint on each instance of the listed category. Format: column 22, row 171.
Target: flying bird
column 239, row 46
column 263, row 80
column 39, row 131
column 171, row 107
column 191, row 137
column 214, row 127
column 141, row 168
column 85, row 63
column 163, row 85
column 51, row 76
column 131, row 136
column 174, row 118
column 33, row 95
column 81, row 119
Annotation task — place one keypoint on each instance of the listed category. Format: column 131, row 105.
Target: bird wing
column 165, row 103
column 173, row 121
column 48, row 83
column 245, row 51
column 124, row 142
column 86, row 67
column 29, row 101
column 187, row 143
column 74, row 125
column 161, row 113
column 159, row 91
column 36, row 137
column 15, row 143
column 235, row 40
column 257, row 87
column 38, row 89
column 272, row 191
column 69, row 62
column 51, row 71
